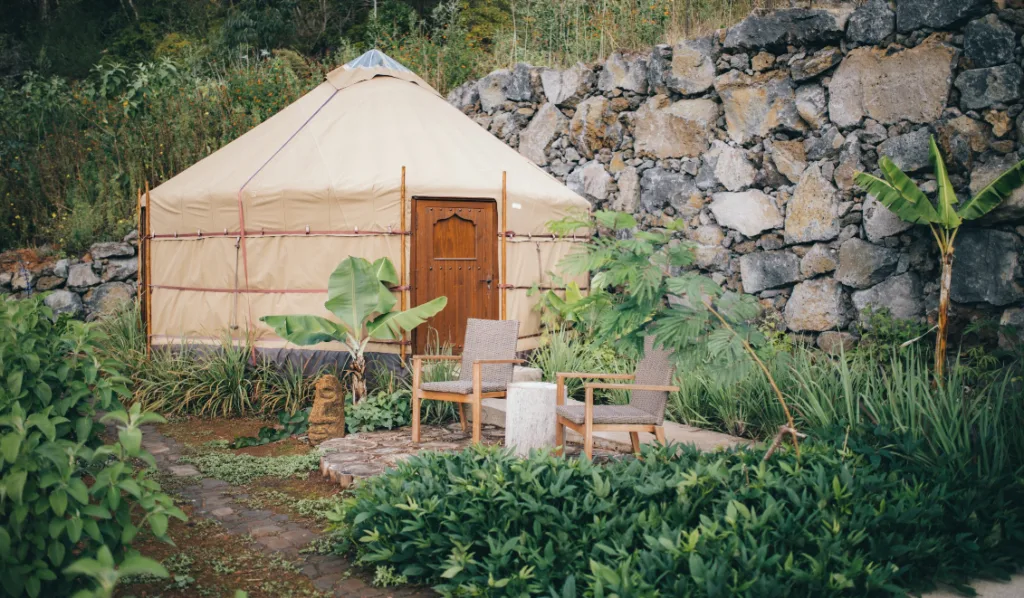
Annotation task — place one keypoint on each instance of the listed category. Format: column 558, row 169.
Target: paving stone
column 222, row 512
column 264, row 530
column 184, row 470
column 275, row 543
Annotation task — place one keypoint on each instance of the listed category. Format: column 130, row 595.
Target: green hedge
column 849, row 521
column 67, row 497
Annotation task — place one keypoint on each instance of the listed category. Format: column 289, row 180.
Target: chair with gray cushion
column 488, row 356
column 646, row 409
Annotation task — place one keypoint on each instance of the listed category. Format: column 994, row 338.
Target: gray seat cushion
column 609, row 414
column 462, row 387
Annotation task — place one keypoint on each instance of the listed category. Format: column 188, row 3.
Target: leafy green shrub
column 290, row 425
column 66, row 494
column 379, row 411
column 851, row 521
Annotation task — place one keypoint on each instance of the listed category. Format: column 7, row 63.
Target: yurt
column 371, row 163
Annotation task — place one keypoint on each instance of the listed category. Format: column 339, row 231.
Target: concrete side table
column 530, row 416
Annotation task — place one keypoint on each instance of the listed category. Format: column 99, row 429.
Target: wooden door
column 454, row 254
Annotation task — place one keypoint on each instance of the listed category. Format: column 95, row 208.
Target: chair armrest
column 436, row 357
column 582, row 375
column 590, row 385
column 490, row 361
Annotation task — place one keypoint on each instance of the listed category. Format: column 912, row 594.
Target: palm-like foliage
column 902, row 196
column 358, row 295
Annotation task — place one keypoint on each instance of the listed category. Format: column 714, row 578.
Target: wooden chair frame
column 473, row 399
column 588, row 427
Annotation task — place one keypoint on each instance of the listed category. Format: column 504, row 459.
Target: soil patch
column 288, row 446
column 196, row 431
column 33, row 259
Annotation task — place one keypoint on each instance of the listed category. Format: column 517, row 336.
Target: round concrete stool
column 530, row 416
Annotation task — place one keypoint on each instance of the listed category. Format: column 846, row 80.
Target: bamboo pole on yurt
column 504, row 245
column 402, row 289
column 148, row 278
column 140, row 274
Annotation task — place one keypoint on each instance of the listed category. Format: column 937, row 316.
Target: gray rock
column 909, row 152
column 567, row 88
column 820, row 259
column 491, row 90
column 21, row 280
column 815, row 305
column 749, row 212
column 732, row 169
column 1011, row 329
column 60, row 268
column 5, row 279
column 768, row 270
column 594, row 126
column 871, row 22
column 1012, row 208
column 81, row 277
column 711, row 257
column 101, row 251
column 812, row 66
column 706, row 234
column 131, row 237
column 691, row 69
column 628, row 74
column 666, row 129
column 880, row 222
column 521, row 84
column 660, row 188
column 863, row 264
column 981, row 88
column 790, row 159
column 756, row 105
column 834, row 342
column 988, row 42
column 792, row 26
column 849, row 163
column 900, row 295
column 812, row 212
column 937, row 14
column 545, row 127
column 987, row 267
column 461, row 97
column 873, row 132
column 628, row 199
column 120, row 269
column 591, row 181
column 107, row 298
column 811, row 105
column 46, row 283
column 873, row 82
column 64, row 302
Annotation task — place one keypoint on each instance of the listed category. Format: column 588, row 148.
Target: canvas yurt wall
column 257, row 227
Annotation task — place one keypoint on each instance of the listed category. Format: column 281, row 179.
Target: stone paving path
column 216, row 499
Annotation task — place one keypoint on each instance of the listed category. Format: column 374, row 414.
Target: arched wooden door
column 454, row 254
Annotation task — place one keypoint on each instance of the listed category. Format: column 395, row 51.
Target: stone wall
column 86, row 287
column 753, row 135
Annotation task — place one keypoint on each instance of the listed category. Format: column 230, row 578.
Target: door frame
column 412, row 245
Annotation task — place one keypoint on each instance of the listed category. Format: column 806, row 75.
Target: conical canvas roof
column 332, row 161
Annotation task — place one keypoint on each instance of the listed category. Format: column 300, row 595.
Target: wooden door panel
column 454, row 254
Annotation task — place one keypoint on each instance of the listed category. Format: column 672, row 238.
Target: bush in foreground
column 848, row 521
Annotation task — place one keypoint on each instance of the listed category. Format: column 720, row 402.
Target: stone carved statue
column 327, row 418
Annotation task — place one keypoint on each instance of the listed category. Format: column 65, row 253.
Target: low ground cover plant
column 241, row 468
column 844, row 519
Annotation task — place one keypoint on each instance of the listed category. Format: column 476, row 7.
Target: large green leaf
column 353, row 293
column 389, row 326
column 898, row 193
column 385, row 271
column 994, row 193
column 305, row 330
column 946, row 200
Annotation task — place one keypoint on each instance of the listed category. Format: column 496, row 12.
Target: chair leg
column 559, row 438
column 634, row 437
column 462, row 416
column 477, row 416
column 415, row 415
column 659, row 433
column 588, row 443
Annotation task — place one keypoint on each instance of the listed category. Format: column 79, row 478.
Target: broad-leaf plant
column 359, row 296
column 904, row 198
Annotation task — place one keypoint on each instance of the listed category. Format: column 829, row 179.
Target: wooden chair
column 644, row 413
column 488, row 357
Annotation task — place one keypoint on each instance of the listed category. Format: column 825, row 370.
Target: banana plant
column 903, row 197
column 358, row 295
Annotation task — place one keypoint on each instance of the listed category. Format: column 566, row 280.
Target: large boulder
column 987, row 267
column 687, row 68
column 900, row 295
column 544, row 128
column 108, row 298
column 750, row 212
column 627, row 74
column 520, row 87
column 989, row 42
column 1012, row 208
column 660, row 188
column 936, row 14
column 756, row 105
column 880, row 222
column 815, row 305
column 871, row 22
column 120, row 269
column 863, row 264
column 909, row 152
column 768, row 270
column 591, row 181
column 791, row 26
column 812, row 214
column 491, row 90
column 666, row 129
column 732, row 169
column 567, row 88
column 981, row 88
column 64, row 302
column 873, row 82
column 81, row 277
column 102, row 251
column 594, row 126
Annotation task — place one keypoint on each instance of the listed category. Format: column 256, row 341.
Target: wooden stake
column 148, row 278
column 401, row 293
column 140, row 283
column 504, row 245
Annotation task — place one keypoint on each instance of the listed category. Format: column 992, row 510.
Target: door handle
column 488, row 280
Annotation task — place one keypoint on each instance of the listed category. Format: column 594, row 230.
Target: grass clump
column 237, row 469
